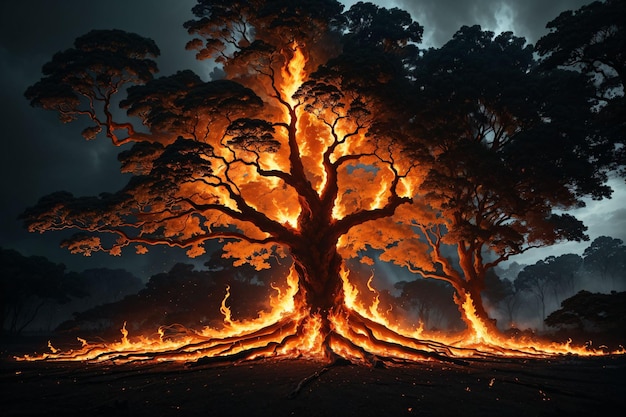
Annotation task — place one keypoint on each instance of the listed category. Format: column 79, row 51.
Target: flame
column 293, row 74
column 225, row 310
column 275, row 334
column 52, row 348
column 480, row 333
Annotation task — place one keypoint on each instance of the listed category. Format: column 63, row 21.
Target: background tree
column 184, row 298
column 431, row 301
column 592, row 40
column 510, row 271
column 107, row 285
column 29, row 283
column 550, row 278
column 593, row 313
column 534, row 279
column 505, row 144
column 606, row 257
column 509, row 305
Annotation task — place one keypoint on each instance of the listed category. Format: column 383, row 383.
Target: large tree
column 330, row 137
column 504, row 144
column 271, row 161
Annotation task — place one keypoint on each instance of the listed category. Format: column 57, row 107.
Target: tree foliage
column 606, row 257
column 592, row 40
column 592, row 312
column 83, row 80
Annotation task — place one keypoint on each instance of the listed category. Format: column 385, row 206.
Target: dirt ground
column 563, row 386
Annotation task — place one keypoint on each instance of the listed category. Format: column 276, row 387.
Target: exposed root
column 269, row 349
column 363, row 342
column 346, row 336
column 391, row 346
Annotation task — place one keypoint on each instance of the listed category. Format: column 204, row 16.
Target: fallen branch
column 307, row 380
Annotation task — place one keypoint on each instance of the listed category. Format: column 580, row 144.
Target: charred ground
column 565, row 385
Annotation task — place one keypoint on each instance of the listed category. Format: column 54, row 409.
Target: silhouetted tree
column 106, row 285
column 496, row 289
column 552, row 277
column 27, row 284
column 594, row 312
column 592, row 40
column 510, row 305
column 510, row 271
column 606, row 256
column 185, row 297
column 432, row 302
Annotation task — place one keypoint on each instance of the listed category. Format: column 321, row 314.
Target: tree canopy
column 592, row 40
column 592, row 312
column 606, row 256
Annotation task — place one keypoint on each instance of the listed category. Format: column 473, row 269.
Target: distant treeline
column 39, row 295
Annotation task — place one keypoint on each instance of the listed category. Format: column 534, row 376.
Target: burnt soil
column 564, row 386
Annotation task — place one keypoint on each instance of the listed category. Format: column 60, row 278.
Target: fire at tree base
column 350, row 332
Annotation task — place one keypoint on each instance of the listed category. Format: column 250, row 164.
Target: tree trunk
column 320, row 285
column 467, row 290
column 475, row 293
column 471, row 287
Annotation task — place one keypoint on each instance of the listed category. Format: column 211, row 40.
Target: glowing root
column 373, row 343
column 344, row 336
column 359, row 340
column 352, row 338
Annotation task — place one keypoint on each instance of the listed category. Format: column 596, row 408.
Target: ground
column 564, row 386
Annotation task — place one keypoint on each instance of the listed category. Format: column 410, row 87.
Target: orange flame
column 293, row 74
column 175, row 343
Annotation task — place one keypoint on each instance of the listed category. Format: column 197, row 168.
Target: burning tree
column 311, row 148
column 508, row 145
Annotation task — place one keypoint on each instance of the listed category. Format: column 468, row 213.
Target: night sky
column 41, row 155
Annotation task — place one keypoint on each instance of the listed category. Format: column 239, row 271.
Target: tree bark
column 320, row 285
